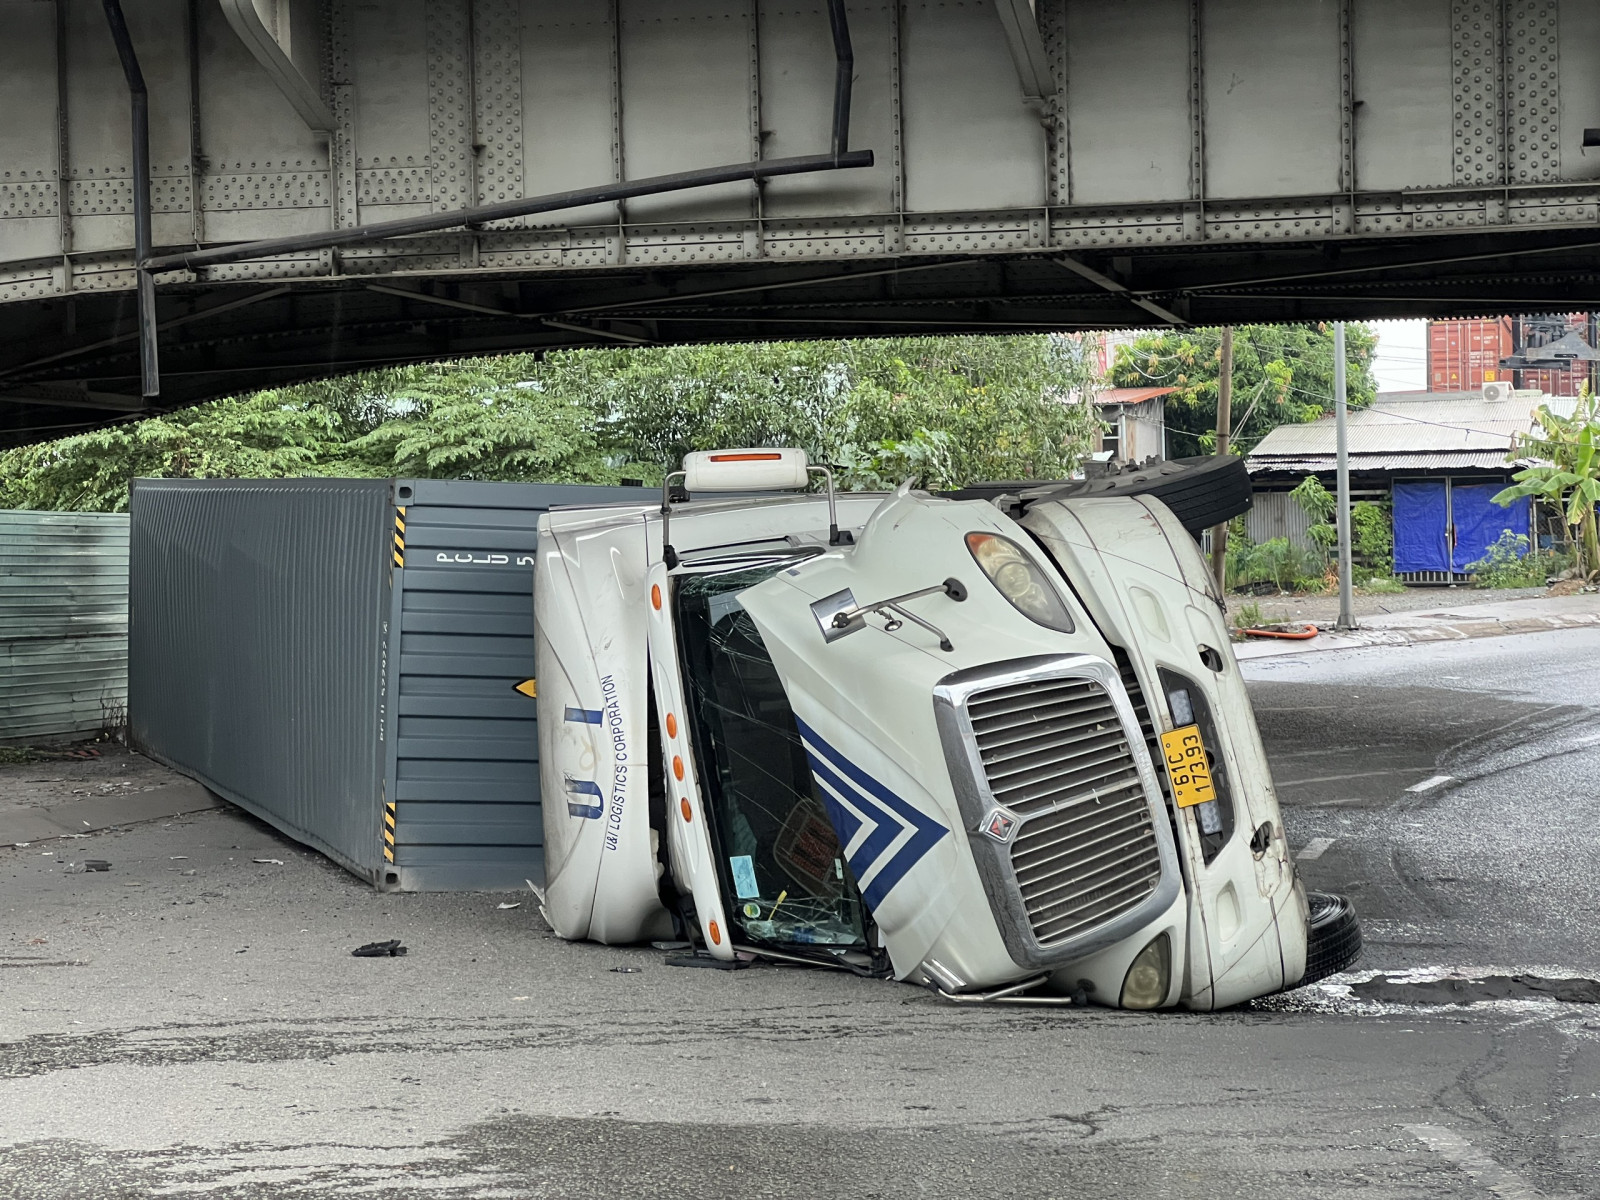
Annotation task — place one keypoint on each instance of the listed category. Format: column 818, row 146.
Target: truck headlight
column 1016, row 577
column 1145, row 985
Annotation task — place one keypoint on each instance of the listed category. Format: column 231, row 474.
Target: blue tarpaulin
column 1421, row 517
column 1479, row 521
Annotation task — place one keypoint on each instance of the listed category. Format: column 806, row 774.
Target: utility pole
column 1219, row 534
column 1347, row 619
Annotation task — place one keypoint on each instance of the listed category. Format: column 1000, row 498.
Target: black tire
column 1201, row 492
column 1333, row 943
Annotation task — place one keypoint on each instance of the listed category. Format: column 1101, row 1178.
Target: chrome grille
column 1054, row 752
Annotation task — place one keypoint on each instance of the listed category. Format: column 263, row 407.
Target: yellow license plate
column 1187, row 766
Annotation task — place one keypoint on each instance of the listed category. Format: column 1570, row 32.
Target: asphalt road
column 191, row 1022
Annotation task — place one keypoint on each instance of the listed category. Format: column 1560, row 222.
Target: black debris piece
column 390, row 949
column 702, row 959
column 96, row 864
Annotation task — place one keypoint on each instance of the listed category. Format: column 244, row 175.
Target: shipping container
column 63, row 624
column 343, row 657
column 1464, row 355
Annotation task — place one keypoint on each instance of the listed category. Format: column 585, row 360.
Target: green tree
column 948, row 410
column 1282, row 374
column 1568, row 475
column 267, row 435
column 472, row 423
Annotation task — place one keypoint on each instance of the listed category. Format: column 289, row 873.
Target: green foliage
column 950, row 410
column 267, row 435
column 1248, row 617
column 947, row 410
column 470, row 424
column 1282, row 374
column 1316, row 501
column 1372, row 531
column 1510, row 563
column 1277, row 561
column 1569, row 475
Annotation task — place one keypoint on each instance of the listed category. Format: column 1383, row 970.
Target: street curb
column 1413, row 631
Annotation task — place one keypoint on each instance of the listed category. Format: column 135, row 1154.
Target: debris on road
column 702, row 959
column 96, row 864
column 518, row 904
column 269, row 862
column 390, row 949
column 1298, row 633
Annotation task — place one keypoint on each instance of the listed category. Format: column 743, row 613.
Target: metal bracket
column 264, row 48
column 1119, row 288
column 1027, row 49
column 894, row 612
column 144, row 281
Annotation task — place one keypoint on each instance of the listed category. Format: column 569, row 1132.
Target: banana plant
column 1567, row 473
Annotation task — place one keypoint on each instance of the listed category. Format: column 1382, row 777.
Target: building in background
column 1465, row 355
column 1135, row 423
column 1438, row 457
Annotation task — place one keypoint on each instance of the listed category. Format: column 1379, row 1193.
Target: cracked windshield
column 782, row 867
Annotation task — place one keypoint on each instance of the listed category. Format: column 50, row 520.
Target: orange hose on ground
column 1310, row 631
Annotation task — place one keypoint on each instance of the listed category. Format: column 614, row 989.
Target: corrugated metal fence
column 63, row 623
column 1277, row 515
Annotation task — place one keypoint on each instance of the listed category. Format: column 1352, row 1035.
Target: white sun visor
column 749, row 470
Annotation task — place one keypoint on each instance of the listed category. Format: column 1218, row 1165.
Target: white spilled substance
column 1428, row 784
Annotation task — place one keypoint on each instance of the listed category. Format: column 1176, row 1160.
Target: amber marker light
column 716, row 934
column 672, row 725
column 655, row 596
column 688, row 813
column 677, row 767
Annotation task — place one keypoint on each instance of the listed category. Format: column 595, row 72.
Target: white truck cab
column 1007, row 759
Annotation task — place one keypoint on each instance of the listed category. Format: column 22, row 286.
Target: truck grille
column 1054, row 752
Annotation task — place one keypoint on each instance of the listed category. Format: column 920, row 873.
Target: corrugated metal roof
column 1416, row 422
column 63, row 622
column 1306, row 464
column 1131, row 395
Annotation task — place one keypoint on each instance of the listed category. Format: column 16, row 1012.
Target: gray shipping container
column 63, row 623
column 340, row 657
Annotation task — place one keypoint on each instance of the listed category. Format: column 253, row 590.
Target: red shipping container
column 1464, row 355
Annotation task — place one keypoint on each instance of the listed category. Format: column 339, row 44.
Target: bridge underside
column 1058, row 165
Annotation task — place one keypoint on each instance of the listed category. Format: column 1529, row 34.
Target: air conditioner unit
column 1497, row 391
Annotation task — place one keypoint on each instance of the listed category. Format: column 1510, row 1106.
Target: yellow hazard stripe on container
column 399, row 537
column 388, row 832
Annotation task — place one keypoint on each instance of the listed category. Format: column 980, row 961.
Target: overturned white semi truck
column 994, row 743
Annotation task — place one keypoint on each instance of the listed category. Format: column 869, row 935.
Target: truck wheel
column 1201, row 492
column 1334, row 940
